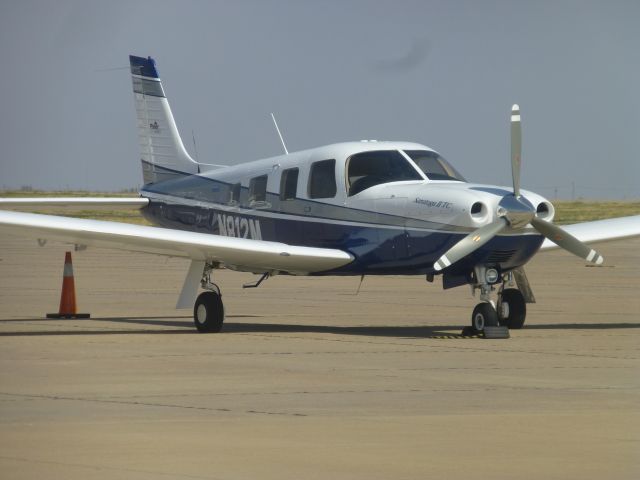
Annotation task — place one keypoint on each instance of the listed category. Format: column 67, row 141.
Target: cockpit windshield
column 434, row 166
column 366, row 169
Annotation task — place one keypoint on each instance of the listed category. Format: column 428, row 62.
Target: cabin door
column 392, row 234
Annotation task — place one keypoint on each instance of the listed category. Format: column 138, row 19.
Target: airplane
column 355, row 208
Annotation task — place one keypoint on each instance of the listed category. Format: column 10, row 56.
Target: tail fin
column 162, row 152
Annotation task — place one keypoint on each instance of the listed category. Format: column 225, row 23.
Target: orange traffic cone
column 68, row 296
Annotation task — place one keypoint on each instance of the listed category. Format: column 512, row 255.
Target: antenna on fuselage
column 279, row 134
column 195, row 147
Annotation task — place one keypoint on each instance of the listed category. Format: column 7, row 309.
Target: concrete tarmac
column 309, row 380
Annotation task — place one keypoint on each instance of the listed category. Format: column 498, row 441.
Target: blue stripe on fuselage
column 379, row 249
column 382, row 244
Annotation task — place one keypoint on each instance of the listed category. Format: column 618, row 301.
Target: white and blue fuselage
column 395, row 226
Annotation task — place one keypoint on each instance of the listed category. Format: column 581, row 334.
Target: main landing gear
column 208, row 311
column 492, row 317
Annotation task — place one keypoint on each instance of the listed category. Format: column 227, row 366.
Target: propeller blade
column 516, row 148
column 567, row 241
column 470, row 243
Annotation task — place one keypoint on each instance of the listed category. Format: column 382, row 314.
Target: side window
column 322, row 179
column 258, row 189
column 289, row 184
column 235, row 194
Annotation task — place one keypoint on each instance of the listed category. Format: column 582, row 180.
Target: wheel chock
column 496, row 332
column 469, row 331
column 68, row 296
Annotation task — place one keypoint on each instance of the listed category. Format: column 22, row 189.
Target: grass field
column 584, row 211
column 566, row 212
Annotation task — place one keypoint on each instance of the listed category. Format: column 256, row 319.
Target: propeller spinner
column 517, row 212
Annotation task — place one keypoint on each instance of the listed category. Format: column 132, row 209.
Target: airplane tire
column 484, row 315
column 517, row 308
column 208, row 312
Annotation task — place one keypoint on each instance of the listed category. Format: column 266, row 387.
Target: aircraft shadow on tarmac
column 184, row 325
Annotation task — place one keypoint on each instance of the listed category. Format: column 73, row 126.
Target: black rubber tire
column 208, row 312
column 484, row 315
column 517, row 308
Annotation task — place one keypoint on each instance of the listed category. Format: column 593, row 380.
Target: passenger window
column 235, row 194
column 322, row 179
column 258, row 189
column 373, row 168
column 289, row 184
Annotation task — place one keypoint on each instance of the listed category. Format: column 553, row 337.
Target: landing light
column 491, row 275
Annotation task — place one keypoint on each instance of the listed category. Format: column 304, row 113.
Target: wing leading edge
column 240, row 253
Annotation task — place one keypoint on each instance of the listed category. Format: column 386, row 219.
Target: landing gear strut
column 208, row 311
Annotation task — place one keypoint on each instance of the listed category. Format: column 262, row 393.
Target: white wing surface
column 246, row 254
column 600, row 230
column 113, row 203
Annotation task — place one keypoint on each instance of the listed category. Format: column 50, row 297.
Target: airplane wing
column 600, row 230
column 245, row 254
column 93, row 203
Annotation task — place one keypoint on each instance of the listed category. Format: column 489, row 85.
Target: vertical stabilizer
column 161, row 149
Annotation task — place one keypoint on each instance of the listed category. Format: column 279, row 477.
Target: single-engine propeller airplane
column 355, row 208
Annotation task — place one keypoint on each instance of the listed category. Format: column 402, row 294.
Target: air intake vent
column 499, row 256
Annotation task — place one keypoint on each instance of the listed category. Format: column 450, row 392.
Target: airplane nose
column 517, row 210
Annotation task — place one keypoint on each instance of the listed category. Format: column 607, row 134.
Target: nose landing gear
column 484, row 315
column 494, row 318
column 512, row 309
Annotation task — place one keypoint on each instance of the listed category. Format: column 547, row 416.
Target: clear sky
column 442, row 73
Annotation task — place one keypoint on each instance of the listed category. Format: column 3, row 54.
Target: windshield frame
column 452, row 174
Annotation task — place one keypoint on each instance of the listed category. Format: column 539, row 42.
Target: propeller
column 517, row 212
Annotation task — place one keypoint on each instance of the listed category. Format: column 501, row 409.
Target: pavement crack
column 144, row 404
